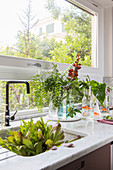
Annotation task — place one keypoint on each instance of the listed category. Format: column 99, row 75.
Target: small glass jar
column 91, row 102
column 97, row 112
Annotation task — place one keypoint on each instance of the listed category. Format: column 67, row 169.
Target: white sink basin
column 71, row 135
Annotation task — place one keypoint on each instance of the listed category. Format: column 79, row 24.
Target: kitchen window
column 27, row 18
column 23, row 53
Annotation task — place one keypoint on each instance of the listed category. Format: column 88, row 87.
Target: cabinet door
column 96, row 160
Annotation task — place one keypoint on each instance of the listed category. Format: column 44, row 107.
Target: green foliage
column 57, row 86
column 50, row 88
column 34, row 44
column 53, row 8
column 78, row 34
column 72, row 111
column 32, row 139
column 98, row 89
column 54, row 88
column 18, row 97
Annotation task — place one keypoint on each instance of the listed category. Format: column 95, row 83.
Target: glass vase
column 105, row 107
column 53, row 111
column 57, row 112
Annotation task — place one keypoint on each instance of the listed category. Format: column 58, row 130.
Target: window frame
column 18, row 68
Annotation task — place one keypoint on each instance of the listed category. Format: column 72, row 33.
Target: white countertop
column 97, row 135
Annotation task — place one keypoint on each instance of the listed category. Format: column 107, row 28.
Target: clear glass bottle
column 85, row 104
column 97, row 112
column 91, row 103
column 105, row 107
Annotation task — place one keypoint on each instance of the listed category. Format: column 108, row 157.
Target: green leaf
column 39, row 134
column 28, row 143
column 10, row 139
column 38, row 147
column 98, row 90
column 49, row 143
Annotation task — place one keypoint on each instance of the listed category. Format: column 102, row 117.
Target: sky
column 9, row 20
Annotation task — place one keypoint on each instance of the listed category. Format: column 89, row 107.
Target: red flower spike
column 78, row 59
column 69, row 74
column 71, row 70
column 78, row 67
column 73, row 73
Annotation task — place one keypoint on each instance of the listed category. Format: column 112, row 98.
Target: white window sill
column 26, row 114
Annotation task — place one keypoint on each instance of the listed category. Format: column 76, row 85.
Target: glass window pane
column 50, row 28
column 18, row 97
column 26, row 31
column 20, row 100
column 63, row 28
column 40, row 31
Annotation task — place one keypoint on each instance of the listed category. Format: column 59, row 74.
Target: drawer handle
column 82, row 165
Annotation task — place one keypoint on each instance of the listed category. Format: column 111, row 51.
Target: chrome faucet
column 7, row 113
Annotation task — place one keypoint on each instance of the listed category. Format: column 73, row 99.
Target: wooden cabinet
column 96, row 160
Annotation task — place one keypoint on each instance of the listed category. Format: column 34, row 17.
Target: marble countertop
column 96, row 135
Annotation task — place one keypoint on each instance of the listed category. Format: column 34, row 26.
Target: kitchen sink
column 3, row 132
column 71, row 135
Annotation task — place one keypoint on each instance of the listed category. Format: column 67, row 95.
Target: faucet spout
column 7, row 113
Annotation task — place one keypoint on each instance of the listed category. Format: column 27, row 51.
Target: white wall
column 108, row 45
column 108, row 42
